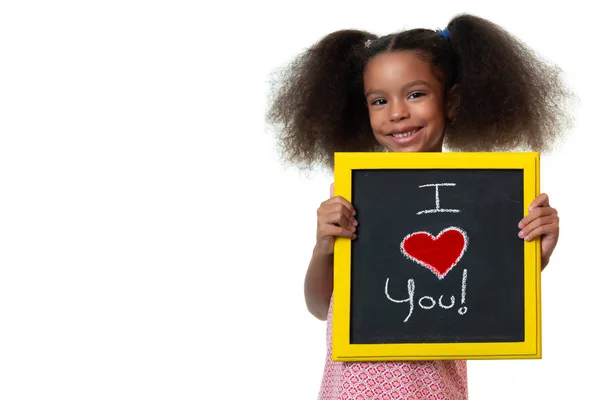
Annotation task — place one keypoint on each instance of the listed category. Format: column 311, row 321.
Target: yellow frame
column 531, row 347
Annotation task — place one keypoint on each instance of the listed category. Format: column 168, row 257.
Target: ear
column 452, row 102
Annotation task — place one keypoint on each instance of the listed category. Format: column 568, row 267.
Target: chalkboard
column 437, row 270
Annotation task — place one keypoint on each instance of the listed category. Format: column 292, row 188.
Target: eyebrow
column 405, row 87
column 415, row 83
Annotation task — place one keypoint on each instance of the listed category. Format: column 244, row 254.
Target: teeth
column 406, row 134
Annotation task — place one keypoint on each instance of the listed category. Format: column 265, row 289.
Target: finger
column 537, row 223
column 541, row 201
column 537, row 213
column 337, row 231
column 326, row 210
column 338, row 218
column 548, row 229
column 336, row 201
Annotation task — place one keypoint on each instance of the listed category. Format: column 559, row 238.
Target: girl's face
column 405, row 102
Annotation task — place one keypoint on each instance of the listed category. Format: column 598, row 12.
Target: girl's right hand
column 335, row 217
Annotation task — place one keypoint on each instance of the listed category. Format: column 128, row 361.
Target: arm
column 318, row 284
column 335, row 218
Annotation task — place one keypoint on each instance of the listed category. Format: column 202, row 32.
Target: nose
column 398, row 111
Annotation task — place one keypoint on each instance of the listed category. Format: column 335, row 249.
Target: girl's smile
column 405, row 135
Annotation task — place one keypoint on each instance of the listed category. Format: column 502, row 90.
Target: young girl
column 470, row 87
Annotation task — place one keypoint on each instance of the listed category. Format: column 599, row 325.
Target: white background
column 151, row 244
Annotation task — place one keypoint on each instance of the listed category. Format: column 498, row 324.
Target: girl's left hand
column 542, row 220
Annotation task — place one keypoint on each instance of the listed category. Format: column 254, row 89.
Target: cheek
column 435, row 114
column 374, row 122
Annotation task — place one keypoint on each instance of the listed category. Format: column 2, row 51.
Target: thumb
column 331, row 190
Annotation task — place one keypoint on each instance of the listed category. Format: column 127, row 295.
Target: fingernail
column 521, row 234
column 355, row 222
column 520, row 225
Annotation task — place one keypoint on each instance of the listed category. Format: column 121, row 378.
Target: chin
column 418, row 148
column 411, row 148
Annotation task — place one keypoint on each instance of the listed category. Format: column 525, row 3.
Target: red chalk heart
column 440, row 253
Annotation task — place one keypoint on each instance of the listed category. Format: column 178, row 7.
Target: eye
column 416, row 95
column 378, row 102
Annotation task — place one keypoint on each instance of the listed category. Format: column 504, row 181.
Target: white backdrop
column 151, row 244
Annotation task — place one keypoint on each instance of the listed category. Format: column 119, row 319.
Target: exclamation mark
column 463, row 294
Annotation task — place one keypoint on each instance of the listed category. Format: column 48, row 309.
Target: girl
column 470, row 87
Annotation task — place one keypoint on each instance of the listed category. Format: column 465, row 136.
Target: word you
column 428, row 302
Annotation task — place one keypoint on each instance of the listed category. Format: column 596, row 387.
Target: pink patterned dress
column 435, row 380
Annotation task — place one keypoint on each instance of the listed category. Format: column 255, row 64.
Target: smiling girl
column 470, row 87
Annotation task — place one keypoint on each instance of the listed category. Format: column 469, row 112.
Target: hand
column 542, row 221
column 335, row 217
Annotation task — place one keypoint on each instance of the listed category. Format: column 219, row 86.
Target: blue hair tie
column 445, row 34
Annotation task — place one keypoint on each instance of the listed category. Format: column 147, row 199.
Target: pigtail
column 508, row 97
column 318, row 103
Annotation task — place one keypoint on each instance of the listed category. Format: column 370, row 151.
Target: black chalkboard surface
column 437, row 260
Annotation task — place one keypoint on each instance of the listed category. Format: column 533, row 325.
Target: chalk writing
column 437, row 208
column 428, row 302
column 463, row 293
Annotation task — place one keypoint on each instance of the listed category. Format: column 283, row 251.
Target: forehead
column 398, row 68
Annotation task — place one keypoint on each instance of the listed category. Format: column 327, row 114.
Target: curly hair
column 508, row 97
